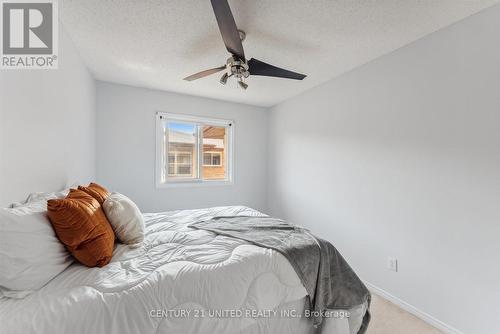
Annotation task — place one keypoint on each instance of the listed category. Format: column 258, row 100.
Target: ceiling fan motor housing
column 237, row 67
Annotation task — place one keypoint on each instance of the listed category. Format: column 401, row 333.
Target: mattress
column 180, row 280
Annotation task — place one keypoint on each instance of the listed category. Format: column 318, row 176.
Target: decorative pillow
column 30, row 253
column 125, row 218
column 97, row 191
column 82, row 227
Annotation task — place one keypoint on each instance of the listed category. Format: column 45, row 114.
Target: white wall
column 47, row 126
column 126, row 148
column 401, row 157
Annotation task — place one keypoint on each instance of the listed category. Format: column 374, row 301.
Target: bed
column 180, row 280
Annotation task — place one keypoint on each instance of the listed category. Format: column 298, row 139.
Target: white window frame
column 162, row 145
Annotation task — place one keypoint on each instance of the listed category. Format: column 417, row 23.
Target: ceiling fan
column 237, row 65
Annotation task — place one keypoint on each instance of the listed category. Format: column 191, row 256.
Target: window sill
column 189, row 184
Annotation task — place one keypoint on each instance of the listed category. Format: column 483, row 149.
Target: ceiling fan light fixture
column 242, row 84
column 223, row 79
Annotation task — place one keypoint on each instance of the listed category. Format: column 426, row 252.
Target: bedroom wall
column 401, row 157
column 126, row 148
column 47, row 126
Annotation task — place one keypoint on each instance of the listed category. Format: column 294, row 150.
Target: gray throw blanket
column 329, row 281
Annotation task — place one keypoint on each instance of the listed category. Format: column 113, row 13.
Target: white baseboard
column 413, row 310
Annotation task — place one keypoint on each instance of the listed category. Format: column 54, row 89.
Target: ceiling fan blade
column 204, row 73
column 257, row 67
column 228, row 28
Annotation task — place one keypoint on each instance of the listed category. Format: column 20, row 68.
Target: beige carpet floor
column 388, row 318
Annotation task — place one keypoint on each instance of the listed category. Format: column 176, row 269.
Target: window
column 180, row 164
column 193, row 150
column 212, row 159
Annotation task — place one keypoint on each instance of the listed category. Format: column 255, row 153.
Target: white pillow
column 43, row 196
column 30, row 252
column 125, row 218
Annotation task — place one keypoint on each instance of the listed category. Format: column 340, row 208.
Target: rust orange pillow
column 97, row 191
column 80, row 224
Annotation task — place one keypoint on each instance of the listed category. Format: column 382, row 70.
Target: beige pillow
column 125, row 218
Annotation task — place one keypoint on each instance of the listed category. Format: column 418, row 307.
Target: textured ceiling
column 154, row 44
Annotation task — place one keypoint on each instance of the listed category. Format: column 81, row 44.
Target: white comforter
column 180, row 281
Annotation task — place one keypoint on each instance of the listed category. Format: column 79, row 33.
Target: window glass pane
column 184, row 170
column 214, row 152
column 207, row 159
column 183, row 158
column 216, row 159
column 182, row 150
